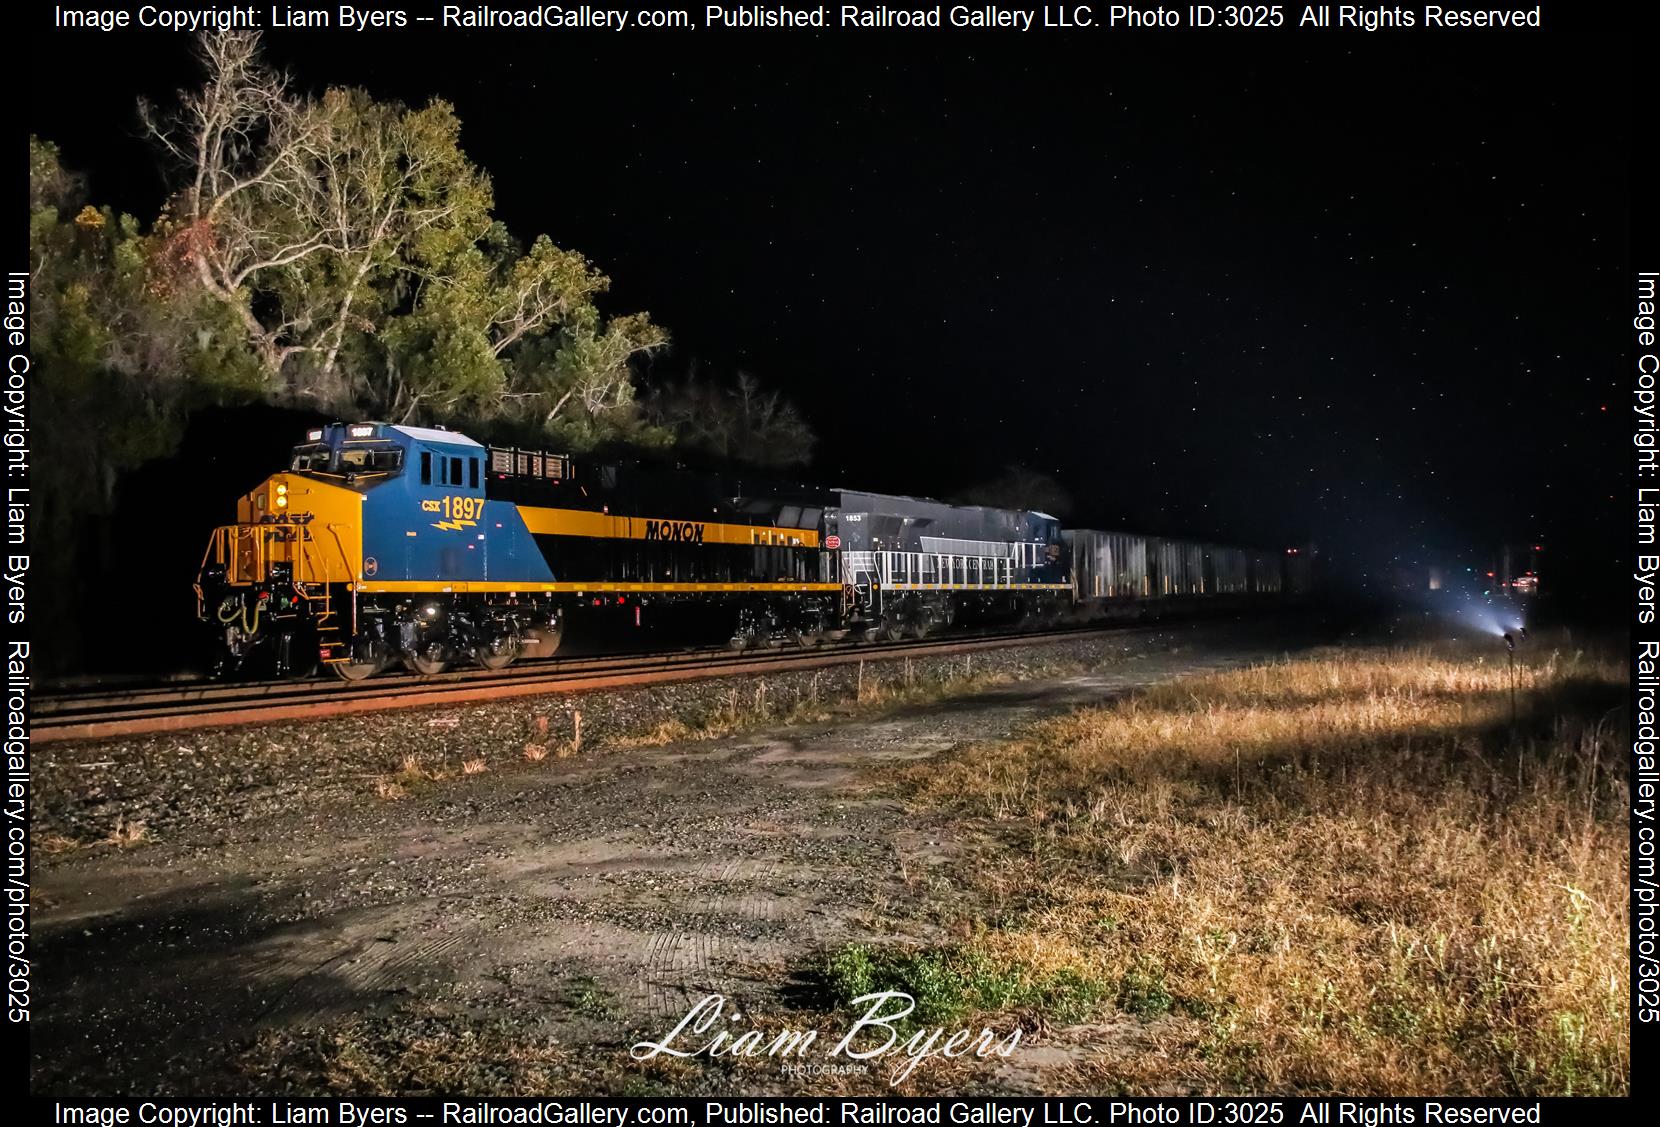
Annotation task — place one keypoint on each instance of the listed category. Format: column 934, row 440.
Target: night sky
column 1366, row 291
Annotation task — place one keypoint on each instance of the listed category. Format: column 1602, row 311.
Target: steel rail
column 149, row 711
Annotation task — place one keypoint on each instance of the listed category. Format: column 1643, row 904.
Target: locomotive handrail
column 346, row 566
column 245, row 551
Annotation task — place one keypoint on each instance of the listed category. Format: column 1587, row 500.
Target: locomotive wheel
column 892, row 630
column 748, row 631
column 354, row 670
column 368, row 657
column 542, row 641
column 501, row 652
column 922, row 627
column 431, row 660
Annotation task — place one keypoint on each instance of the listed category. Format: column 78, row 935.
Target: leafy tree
column 121, row 355
column 740, row 422
column 353, row 240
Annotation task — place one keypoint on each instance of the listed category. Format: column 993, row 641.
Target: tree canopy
column 740, row 421
column 353, row 241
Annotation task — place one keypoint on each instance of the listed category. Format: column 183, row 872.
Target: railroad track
column 174, row 707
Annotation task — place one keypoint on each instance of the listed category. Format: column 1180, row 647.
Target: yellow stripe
column 978, row 587
column 580, row 522
column 471, row 587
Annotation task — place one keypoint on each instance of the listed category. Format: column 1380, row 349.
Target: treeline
column 336, row 253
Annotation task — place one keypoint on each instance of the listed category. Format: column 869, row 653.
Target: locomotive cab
column 359, row 455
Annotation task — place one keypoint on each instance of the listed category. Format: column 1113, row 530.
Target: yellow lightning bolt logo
column 454, row 525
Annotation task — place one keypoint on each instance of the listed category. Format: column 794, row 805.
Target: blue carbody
column 438, row 531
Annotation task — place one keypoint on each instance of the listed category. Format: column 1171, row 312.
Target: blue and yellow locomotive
column 383, row 544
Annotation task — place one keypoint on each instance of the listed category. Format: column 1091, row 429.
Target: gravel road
column 276, row 904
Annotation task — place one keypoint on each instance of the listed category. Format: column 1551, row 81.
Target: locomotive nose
column 279, row 497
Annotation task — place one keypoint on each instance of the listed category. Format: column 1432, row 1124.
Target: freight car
column 1116, row 573
column 384, row 544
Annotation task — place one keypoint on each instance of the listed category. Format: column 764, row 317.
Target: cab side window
column 450, row 471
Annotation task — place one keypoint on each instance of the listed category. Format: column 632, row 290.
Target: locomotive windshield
column 385, row 459
column 319, row 458
column 311, row 459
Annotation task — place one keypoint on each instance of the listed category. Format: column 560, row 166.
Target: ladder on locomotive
column 319, row 596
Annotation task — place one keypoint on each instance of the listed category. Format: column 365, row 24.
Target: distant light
column 1510, row 642
column 1489, row 575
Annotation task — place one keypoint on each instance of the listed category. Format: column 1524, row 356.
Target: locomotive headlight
column 282, row 488
column 282, row 501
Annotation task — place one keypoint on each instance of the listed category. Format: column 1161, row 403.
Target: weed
column 127, row 835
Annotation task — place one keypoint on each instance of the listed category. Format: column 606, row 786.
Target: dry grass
column 1339, row 874
column 127, row 835
column 410, row 777
column 878, row 689
column 535, row 753
column 474, row 766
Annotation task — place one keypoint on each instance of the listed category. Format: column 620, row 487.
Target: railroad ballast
column 382, row 545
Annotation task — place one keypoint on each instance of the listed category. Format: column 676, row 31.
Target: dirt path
column 579, row 898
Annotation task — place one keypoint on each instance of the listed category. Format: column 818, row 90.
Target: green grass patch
column 949, row 983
